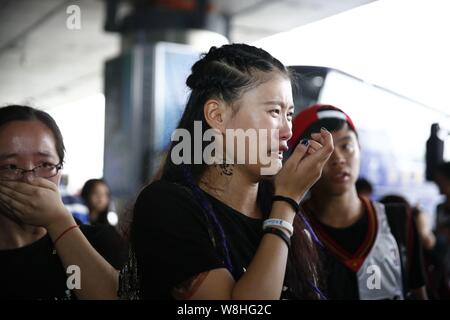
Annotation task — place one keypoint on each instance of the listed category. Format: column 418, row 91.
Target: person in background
column 442, row 228
column 442, row 179
column 97, row 196
column 427, row 238
column 364, row 249
column 434, row 152
column 73, row 203
column 423, row 227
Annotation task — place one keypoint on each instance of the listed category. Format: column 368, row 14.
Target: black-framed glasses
column 45, row 170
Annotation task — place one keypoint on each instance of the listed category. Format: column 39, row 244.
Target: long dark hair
column 226, row 73
column 12, row 113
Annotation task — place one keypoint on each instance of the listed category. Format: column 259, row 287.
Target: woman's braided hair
column 226, row 73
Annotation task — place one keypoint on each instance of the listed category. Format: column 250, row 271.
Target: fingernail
column 304, row 142
column 324, row 129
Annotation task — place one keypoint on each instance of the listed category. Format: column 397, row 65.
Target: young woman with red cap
column 365, row 251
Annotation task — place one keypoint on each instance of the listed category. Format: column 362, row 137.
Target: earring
column 226, row 169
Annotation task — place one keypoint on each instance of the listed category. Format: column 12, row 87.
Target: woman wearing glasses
column 31, row 157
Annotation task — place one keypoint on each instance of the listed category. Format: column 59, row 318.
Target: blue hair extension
column 206, row 205
column 316, row 240
column 317, row 290
column 310, row 229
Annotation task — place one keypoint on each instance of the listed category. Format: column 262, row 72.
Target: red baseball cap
column 312, row 114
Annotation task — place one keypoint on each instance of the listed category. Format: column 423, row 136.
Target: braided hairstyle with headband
column 226, row 73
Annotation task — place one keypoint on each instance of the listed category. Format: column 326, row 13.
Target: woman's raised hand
column 35, row 202
column 304, row 166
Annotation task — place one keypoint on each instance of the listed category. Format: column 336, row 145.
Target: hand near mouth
column 304, row 167
column 35, row 202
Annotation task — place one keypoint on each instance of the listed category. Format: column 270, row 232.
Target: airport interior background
column 112, row 73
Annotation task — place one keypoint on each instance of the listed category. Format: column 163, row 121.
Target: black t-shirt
column 417, row 274
column 35, row 272
column 351, row 237
column 442, row 216
column 172, row 241
column 341, row 281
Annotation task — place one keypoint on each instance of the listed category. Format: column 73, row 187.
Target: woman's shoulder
column 163, row 190
column 166, row 200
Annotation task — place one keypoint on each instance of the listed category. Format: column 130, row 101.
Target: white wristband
column 279, row 223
